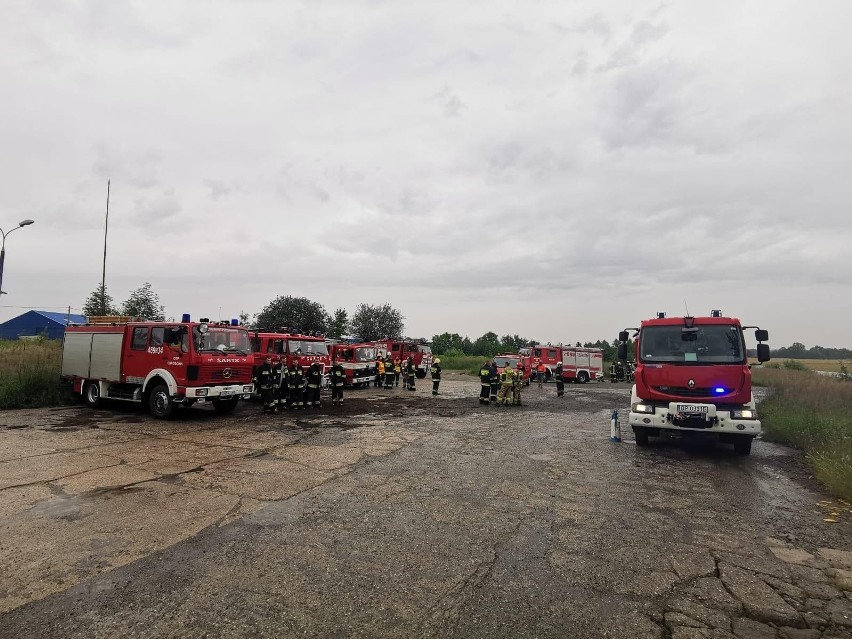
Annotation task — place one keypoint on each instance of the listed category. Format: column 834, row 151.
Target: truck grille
column 223, row 375
column 684, row 391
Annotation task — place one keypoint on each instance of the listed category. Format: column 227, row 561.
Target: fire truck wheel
column 582, row 377
column 160, row 402
column 92, row 394
column 742, row 445
column 225, row 405
column 641, row 435
column 420, row 374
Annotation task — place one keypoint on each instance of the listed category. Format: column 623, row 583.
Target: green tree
column 244, row 318
column 339, row 323
column 294, row 313
column 100, row 302
column 488, row 345
column 376, row 322
column 144, row 303
column 446, row 342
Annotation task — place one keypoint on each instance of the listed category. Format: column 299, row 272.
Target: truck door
column 136, row 357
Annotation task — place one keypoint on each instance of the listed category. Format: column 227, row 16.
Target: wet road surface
column 406, row 515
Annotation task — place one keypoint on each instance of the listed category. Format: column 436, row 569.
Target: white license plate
column 692, row 409
column 225, row 395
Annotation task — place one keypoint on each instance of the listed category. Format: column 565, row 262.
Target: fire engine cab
column 358, row 361
column 403, row 349
column 303, row 350
column 160, row 364
column 693, row 376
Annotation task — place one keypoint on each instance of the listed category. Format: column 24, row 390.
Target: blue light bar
column 184, row 317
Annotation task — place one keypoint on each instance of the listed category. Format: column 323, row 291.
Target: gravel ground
column 403, row 514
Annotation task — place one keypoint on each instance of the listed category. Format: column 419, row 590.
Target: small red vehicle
column 512, row 360
column 358, row 361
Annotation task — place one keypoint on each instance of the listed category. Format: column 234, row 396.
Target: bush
column 794, row 365
column 471, row 364
column 810, row 412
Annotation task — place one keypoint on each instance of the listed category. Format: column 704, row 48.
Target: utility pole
column 103, row 276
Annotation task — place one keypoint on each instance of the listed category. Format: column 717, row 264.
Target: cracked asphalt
column 407, row 515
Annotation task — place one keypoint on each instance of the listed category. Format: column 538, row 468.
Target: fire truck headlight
column 643, row 408
column 744, row 413
column 201, row 392
column 248, row 389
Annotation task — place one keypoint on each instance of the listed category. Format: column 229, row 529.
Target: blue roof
column 63, row 318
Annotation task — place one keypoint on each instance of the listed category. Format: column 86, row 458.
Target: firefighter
column 297, row 381
column 507, row 378
column 560, row 381
column 518, row 385
column 380, row 372
column 411, row 372
column 388, row 371
column 338, row 379
column 485, row 382
column 436, row 375
column 281, row 375
column 397, row 371
column 265, row 380
column 312, row 398
column 494, row 377
column 403, row 367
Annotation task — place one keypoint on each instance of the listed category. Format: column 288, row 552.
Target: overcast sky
column 559, row 170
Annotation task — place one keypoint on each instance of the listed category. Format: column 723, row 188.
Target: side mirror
column 762, row 352
column 622, row 350
column 761, row 335
column 622, row 337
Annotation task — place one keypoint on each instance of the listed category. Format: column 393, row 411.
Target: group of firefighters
column 285, row 387
column 503, row 387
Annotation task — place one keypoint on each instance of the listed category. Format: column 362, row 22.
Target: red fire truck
column 693, row 376
column 511, row 360
column 293, row 347
column 403, row 349
column 358, row 360
column 579, row 364
column 160, row 364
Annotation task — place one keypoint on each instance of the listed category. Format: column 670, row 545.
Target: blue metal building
column 35, row 323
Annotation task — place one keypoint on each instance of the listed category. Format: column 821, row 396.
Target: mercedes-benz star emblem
column 227, row 374
column 692, row 383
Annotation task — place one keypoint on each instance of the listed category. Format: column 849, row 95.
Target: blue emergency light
column 719, row 390
column 184, row 317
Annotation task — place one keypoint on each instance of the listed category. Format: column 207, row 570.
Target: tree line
column 490, row 344
column 799, row 351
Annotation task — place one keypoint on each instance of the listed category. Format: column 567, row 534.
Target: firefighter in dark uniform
column 560, row 381
column 312, row 398
column 338, row 379
column 388, row 371
column 485, row 381
column 494, row 378
column 265, row 380
column 280, row 370
column 296, row 382
column 411, row 371
column 436, row 375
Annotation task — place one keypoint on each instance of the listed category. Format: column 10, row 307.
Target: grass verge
column 29, row 373
column 466, row 363
column 811, row 412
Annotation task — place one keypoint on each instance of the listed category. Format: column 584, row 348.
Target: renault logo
column 227, row 374
column 691, row 383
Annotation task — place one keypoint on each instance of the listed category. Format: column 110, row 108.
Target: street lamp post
column 22, row 223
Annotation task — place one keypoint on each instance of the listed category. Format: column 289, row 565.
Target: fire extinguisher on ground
column 614, row 427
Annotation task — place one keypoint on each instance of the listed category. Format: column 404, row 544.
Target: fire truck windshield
column 502, row 362
column 709, row 344
column 222, row 340
column 306, row 347
column 365, row 354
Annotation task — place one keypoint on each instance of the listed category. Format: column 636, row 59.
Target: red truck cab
column 403, row 349
column 512, row 360
column 692, row 375
column 358, row 361
column 303, row 350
